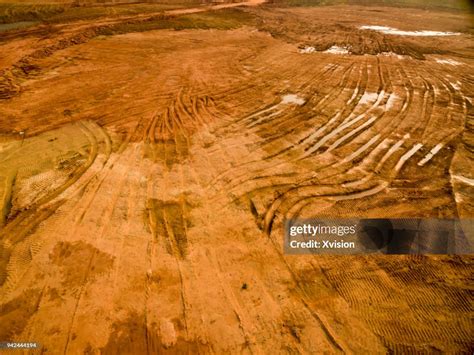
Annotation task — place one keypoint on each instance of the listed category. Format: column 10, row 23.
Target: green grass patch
column 58, row 13
column 11, row 13
column 16, row 25
column 460, row 5
column 225, row 19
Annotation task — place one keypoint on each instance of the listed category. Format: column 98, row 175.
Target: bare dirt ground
column 145, row 176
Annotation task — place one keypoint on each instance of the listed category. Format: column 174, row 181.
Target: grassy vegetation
column 223, row 20
column 55, row 13
column 25, row 14
column 10, row 13
column 461, row 5
column 16, row 25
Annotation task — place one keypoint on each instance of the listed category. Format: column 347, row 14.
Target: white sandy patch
column 392, row 55
column 431, row 154
column 464, row 179
column 368, row 97
column 337, row 50
column 265, row 118
column 360, row 150
column 392, row 150
column 456, row 85
column 332, row 50
column 261, row 112
column 292, row 99
column 448, row 61
column 391, row 101
column 307, row 49
column 354, row 95
column 375, row 190
column 397, row 32
column 407, row 156
column 458, row 197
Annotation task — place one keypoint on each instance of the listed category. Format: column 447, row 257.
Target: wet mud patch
column 5, row 254
column 133, row 336
column 169, row 151
column 19, row 237
column 71, row 257
column 169, row 221
column 15, row 314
